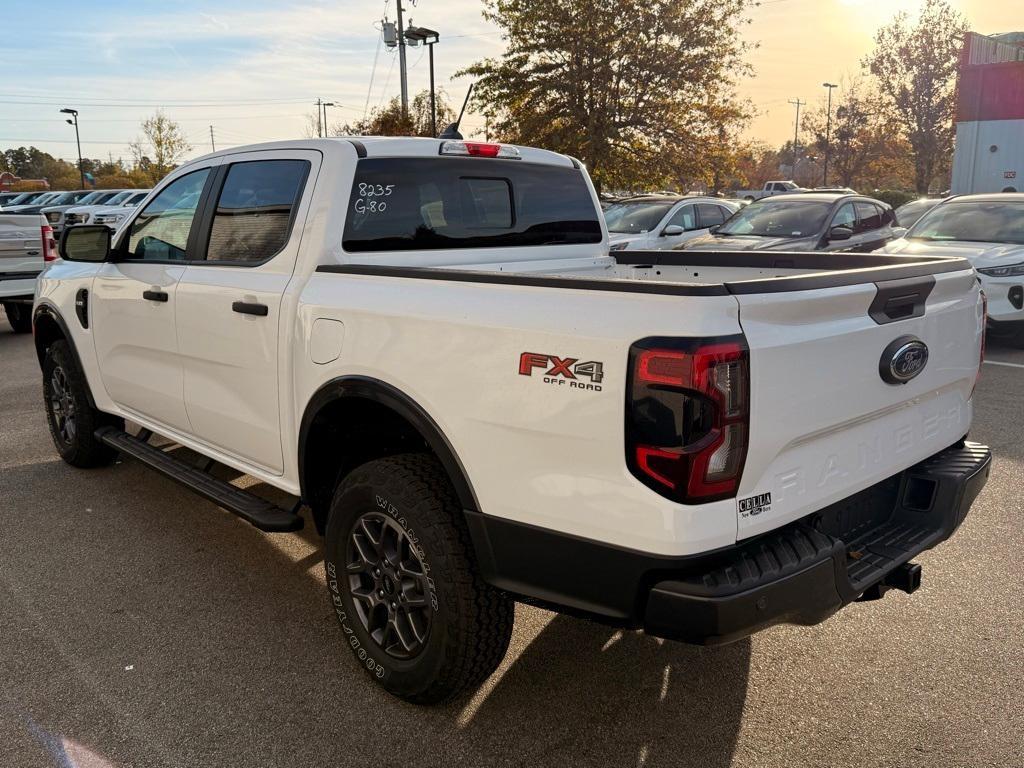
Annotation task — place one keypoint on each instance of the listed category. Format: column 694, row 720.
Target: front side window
column 846, row 217
column 400, row 204
column 254, row 210
column 161, row 231
column 684, row 218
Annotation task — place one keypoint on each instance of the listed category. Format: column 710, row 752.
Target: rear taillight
column 688, row 416
column 49, row 244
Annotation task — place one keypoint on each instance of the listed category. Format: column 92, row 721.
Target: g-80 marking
column 563, row 370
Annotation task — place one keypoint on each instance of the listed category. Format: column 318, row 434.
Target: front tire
column 404, row 583
column 19, row 316
column 71, row 418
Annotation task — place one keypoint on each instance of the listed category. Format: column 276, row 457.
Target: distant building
column 8, row 180
column 989, row 155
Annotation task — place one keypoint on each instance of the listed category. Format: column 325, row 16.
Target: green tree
column 641, row 90
column 160, row 148
column 915, row 67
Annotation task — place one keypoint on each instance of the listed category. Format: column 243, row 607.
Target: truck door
column 230, row 302
column 134, row 304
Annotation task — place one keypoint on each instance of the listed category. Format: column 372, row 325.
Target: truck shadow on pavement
column 583, row 694
column 142, row 626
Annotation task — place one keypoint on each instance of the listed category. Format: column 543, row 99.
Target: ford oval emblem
column 903, row 359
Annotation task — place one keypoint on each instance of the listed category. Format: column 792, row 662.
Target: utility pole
column 828, row 131
column 327, row 104
column 796, row 132
column 319, row 129
column 213, row 147
column 401, row 62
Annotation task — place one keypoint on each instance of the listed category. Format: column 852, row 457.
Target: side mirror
column 898, row 232
column 714, row 229
column 672, row 230
column 840, row 233
column 88, row 242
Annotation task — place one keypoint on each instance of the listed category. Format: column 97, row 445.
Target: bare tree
column 915, row 67
column 160, row 147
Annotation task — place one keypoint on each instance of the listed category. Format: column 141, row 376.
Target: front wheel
column 404, row 583
column 19, row 316
column 71, row 418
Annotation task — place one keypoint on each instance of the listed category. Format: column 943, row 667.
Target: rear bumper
column 800, row 574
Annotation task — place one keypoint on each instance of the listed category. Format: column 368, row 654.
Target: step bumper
column 804, row 572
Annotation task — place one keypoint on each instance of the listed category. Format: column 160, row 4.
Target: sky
column 253, row 68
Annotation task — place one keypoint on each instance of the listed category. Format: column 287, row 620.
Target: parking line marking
column 999, row 362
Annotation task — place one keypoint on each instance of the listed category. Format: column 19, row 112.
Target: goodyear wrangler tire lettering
column 404, row 584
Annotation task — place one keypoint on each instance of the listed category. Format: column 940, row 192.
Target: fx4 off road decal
column 563, row 371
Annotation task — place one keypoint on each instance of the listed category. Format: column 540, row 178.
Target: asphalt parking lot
column 141, row 626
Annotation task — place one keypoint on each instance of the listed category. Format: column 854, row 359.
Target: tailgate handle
column 901, row 299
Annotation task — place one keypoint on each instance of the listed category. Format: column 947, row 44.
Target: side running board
column 260, row 512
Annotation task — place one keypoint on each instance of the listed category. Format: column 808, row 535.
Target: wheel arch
column 341, row 410
column 48, row 327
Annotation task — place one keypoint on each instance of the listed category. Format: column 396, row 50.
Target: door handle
column 154, row 296
column 250, row 308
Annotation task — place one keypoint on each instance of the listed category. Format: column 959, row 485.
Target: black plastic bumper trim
column 800, row 573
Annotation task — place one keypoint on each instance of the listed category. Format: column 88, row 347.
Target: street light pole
column 78, row 143
column 828, row 132
column 415, row 36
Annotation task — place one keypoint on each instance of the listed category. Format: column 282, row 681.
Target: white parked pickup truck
column 428, row 344
column 26, row 243
column 770, row 189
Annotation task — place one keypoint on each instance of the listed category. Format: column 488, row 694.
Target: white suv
column 661, row 222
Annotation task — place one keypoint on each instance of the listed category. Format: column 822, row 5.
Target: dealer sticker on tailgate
column 755, row 505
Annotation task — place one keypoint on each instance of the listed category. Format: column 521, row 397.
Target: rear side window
column 710, row 215
column 401, row 204
column 869, row 217
column 254, row 211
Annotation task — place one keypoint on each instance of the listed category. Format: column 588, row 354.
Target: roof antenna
column 452, row 131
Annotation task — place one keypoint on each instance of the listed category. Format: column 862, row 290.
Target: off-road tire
column 470, row 622
column 65, row 392
column 19, row 316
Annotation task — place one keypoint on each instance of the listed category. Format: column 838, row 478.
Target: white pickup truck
column 428, row 344
column 770, row 189
column 26, row 243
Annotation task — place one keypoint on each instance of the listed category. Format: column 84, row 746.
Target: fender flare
column 51, row 312
column 368, row 388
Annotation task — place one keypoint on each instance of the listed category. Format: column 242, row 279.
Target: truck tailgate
column 824, row 423
column 21, row 244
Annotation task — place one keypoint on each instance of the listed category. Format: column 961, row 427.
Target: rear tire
column 404, row 582
column 19, row 316
column 71, row 418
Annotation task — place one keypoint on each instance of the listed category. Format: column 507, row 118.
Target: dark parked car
column 801, row 222
column 908, row 214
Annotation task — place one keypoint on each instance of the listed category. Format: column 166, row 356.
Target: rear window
column 401, row 204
